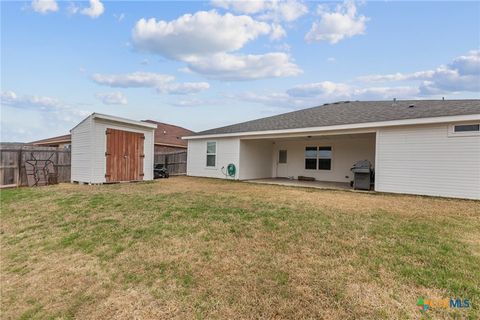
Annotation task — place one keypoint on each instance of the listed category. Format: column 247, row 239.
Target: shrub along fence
column 14, row 157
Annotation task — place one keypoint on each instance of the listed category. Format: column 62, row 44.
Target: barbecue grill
column 362, row 175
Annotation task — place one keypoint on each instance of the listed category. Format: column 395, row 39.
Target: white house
column 109, row 149
column 426, row 147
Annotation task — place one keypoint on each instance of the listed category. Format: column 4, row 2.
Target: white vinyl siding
column 227, row 151
column 256, row 157
column 426, row 160
column 81, row 161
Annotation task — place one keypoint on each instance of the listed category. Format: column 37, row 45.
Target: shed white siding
column 427, row 160
column 81, row 160
column 228, row 151
column 89, row 145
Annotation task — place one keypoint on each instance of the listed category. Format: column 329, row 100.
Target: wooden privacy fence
column 13, row 171
column 176, row 162
column 13, row 158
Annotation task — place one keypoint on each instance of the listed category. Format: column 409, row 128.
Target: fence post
column 19, row 167
column 166, row 163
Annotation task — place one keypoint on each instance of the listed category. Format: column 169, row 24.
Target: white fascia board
column 124, row 120
column 367, row 125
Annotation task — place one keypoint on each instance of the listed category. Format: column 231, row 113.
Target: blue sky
column 207, row 64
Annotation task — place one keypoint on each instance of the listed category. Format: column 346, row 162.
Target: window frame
column 318, row 157
column 211, row 154
column 330, row 158
column 453, row 133
column 280, row 158
column 305, row 158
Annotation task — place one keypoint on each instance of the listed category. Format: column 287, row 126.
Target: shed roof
column 354, row 112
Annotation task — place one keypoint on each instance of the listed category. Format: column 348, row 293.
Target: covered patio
column 291, row 160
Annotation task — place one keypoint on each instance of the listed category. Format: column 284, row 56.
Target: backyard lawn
column 203, row 248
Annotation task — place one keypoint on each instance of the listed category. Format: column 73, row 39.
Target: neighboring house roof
column 170, row 135
column 354, row 112
column 66, row 138
column 165, row 134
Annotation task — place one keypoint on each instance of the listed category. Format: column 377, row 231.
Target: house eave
column 170, row 145
column 51, row 142
column 354, row 126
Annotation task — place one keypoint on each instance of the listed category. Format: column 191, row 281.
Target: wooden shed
column 107, row 149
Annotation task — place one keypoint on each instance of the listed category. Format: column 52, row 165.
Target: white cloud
column 245, row 67
column 203, row 33
column 247, row 7
column 207, row 40
column 450, row 80
column 277, row 32
column 119, row 17
column 72, row 8
column 331, row 59
column 338, row 25
column 275, row 10
column 12, row 99
column 184, row 88
column 8, row 96
column 462, row 74
column 194, row 102
column 44, row 6
column 161, row 82
column 467, row 64
column 132, row 80
column 112, row 97
column 95, row 10
column 421, row 75
column 324, row 89
column 313, row 94
column 46, row 116
column 328, row 90
column 288, row 11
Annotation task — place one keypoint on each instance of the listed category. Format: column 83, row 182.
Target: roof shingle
column 350, row 112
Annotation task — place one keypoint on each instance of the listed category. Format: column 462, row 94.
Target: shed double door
column 124, row 155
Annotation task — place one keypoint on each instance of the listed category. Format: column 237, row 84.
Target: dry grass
column 202, row 248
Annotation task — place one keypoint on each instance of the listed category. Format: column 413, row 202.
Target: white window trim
column 331, row 158
column 207, row 154
column 452, row 133
column 318, row 158
column 305, row 158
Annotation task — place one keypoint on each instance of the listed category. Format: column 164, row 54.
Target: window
column 324, row 158
column 211, row 154
column 282, row 156
column 318, row 158
column 311, row 158
column 464, row 130
column 467, row 128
